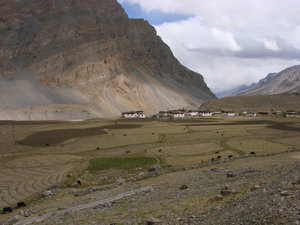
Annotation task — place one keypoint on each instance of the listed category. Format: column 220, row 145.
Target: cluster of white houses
column 134, row 114
column 181, row 113
column 191, row 113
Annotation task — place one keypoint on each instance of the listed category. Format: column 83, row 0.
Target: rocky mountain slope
column 286, row 81
column 89, row 52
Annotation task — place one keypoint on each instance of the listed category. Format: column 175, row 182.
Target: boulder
column 153, row 220
column 46, row 194
column 183, row 187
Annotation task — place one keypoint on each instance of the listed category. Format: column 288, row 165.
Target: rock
column 27, row 213
column 216, row 170
column 227, row 192
column 55, row 186
column 255, row 187
column 153, row 220
column 183, row 187
column 69, row 175
column 218, row 198
column 226, row 187
column 34, row 210
column 121, row 181
column 154, row 168
column 230, row 174
column 46, row 193
column 284, row 193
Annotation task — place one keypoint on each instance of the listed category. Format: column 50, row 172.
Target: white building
column 177, row 114
column 229, row 113
column 133, row 114
column 193, row 113
column 205, row 113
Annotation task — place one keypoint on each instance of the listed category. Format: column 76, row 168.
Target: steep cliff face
column 110, row 62
column 286, row 81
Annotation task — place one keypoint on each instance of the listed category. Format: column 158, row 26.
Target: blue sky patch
column 155, row 17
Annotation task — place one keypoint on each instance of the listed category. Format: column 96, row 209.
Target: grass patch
column 119, row 163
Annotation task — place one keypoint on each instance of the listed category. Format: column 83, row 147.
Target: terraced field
column 36, row 155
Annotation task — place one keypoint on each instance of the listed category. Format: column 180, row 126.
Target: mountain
column 282, row 102
column 286, row 81
column 231, row 91
column 88, row 53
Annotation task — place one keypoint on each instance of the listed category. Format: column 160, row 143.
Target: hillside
column 89, row 53
column 286, row 81
column 254, row 103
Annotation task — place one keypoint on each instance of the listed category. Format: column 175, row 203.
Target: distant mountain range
column 230, row 92
column 284, row 82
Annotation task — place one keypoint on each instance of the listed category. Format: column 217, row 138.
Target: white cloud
column 269, row 44
column 231, row 42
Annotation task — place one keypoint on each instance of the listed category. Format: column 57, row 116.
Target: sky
column 229, row 42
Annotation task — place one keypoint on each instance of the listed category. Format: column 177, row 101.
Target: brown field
column 36, row 155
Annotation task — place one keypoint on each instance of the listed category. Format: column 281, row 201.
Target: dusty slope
column 286, row 81
column 92, row 47
column 255, row 103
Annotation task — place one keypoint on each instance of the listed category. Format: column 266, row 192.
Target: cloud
column 231, row 42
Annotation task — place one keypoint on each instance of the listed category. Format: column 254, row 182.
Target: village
column 183, row 113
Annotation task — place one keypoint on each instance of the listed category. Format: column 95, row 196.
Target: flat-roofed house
column 133, row 114
column 205, row 113
column 177, row 114
column 193, row 113
column 229, row 113
column 163, row 114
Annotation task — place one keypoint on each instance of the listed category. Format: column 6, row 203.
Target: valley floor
column 225, row 171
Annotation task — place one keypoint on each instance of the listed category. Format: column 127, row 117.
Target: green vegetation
column 119, row 163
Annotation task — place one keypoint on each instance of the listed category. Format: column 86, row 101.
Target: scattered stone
column 121, row 181
column 226, row 187
column 69, row 175
column 255, row 187
column 216, row 170
column 25, row 213
column 34, row 210
column 183, row 187
column 227, row 192
column 153, row 220
column 55, row 186
column 218, row 198
column 284, row 193
column 230, row 174
column 46, row 194
column 154, row 168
